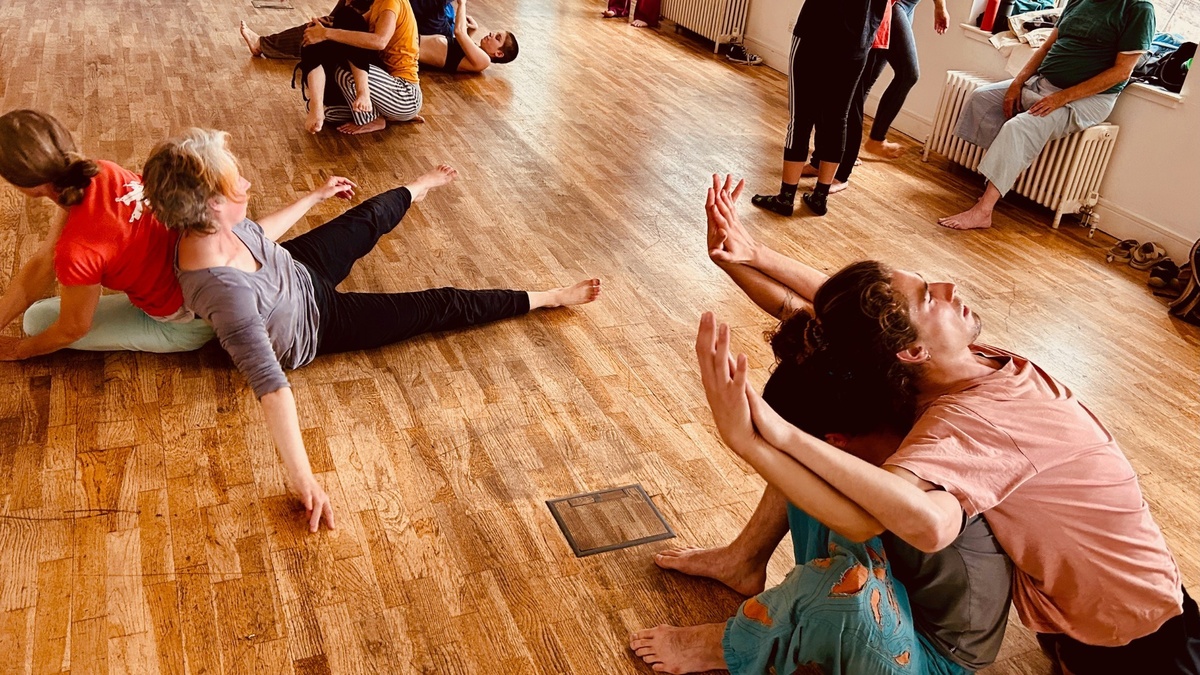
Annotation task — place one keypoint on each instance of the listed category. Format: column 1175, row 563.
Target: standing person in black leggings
column 276, row 306
column 893, row 47
column 829, row 50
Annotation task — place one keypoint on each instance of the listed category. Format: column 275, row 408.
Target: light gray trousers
column 1014, row 143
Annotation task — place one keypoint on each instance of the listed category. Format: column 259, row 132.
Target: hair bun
column 75, row 179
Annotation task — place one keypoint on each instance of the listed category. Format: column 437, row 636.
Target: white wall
column 1152, row 188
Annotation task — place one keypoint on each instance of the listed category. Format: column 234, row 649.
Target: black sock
column 815, row 200
column 822, row 189
column 788, row 191
column 781, row 203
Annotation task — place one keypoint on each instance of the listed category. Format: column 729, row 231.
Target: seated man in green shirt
column 1069, row 84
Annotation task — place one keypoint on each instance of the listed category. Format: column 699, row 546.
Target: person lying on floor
column 995, row 435
column 275, row 306
column 863, row 603
column 1069, row 84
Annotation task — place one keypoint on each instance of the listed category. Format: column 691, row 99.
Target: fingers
column 710, row 199
column 314, row 516
column 737, row 190
column 722, row 351
column 741, row 372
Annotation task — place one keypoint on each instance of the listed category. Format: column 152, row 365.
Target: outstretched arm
column 725, row 386
column 279, row 407
column 789, row 283
column 277, row 224
column 474, row 58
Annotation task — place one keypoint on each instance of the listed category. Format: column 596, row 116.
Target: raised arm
column 725, row 386
column 277, row 224
column 474, row 58
column 375, row 39
column 733, row 249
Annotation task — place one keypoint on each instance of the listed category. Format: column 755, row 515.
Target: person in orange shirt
column 395, row 87
column 105, row 237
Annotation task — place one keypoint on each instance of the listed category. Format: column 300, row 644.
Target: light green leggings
column 119, row 326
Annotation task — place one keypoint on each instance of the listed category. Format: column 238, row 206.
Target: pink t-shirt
column 1060, row 496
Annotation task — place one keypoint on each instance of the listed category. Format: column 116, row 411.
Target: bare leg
column 742, row 564
column 884, row 148
column 793, row 171
column 826, row 171
column 693, row 649
column 362, row 100
column 978, row 216
column 251, row 39
column 579, row 294
column 316, row 100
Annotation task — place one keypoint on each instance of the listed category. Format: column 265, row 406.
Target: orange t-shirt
column 111, row 238
column 1062, row 500
column 400, row 56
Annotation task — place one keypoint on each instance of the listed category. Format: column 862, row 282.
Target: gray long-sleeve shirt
column 266, row 320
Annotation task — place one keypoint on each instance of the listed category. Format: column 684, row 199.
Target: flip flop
column 1122, row 250
column 1147, row 255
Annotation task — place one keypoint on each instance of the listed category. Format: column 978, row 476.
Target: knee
column 40, row 316
column 906, row 76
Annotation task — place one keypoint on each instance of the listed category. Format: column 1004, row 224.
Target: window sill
column 1139, row 89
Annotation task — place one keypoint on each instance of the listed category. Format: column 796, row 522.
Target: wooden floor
column 144, row 522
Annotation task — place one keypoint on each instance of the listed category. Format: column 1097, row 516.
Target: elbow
column 935, row 531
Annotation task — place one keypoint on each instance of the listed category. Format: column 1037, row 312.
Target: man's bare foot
column 316, row 118
column 377, row 124
column 251, row 38
column 838, row 186
column 442, row 174
column 975, row 218
column 608, row 14
column 568, row 296
column 723, row 564
column 809, row 171
column 362, row 102
column 638, row 23
column 670, row 649
column 885, row 149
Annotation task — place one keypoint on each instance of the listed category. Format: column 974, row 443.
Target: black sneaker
column 738, row 54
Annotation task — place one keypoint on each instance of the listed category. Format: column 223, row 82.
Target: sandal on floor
column 1164, row 274
column 1147, row 255
column 1122, row 251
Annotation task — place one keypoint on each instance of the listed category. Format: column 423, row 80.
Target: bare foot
column 809, row 171
column 638, row 23
column 362, row 102
column 579, row 294
column 608, row 14
column 377, row 124
column 838, row 186
column 316, row 118
column 885, row 149
column 975, row 218
column 670, row 649
column 416, row 119
column 723, row 564
column 442, row 174
column 251, row 38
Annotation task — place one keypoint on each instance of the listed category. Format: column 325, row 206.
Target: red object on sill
column 989, row 15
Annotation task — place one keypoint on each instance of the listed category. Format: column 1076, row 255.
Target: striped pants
column 393, row 98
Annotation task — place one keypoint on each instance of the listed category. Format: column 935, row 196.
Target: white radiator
column 1065, row 176
column 718, row 20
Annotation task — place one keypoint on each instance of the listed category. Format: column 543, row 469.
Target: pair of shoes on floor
column 738, row 54
column 1139, row 256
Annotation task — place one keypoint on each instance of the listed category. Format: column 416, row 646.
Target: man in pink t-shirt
column 996, row 435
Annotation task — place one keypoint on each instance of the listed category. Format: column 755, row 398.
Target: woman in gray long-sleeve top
column 275, row 306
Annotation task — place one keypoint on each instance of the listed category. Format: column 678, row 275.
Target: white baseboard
column 1124, row 224
column 772, row 57
column 912, row 125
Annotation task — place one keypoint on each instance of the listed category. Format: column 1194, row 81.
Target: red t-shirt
column 883, row 36
column 112, row 239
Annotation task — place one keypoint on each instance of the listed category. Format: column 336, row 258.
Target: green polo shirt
column 1090, row 35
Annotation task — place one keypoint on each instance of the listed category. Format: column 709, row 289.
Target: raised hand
column 773, row 428
column 724, row 384
column 336, row 186
column 728, row 240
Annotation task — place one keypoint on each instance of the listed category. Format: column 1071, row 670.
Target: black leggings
column 351, row 321
column 821, row 87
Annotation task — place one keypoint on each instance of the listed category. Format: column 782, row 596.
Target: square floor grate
column 606, row 520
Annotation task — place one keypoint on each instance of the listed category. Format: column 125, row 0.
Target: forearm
column 279, row 407
column 31, row 284
column 898, row 505
column 356, row 38
column 770, row 295
column 1098, row 84
column 809, row 493
column 802, row 279
column 1031, row 66
column 54, row 338
column 277, row 224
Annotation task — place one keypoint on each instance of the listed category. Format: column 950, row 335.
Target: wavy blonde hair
column 184, row 173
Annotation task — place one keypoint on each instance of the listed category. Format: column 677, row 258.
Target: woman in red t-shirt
column 105, row 238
